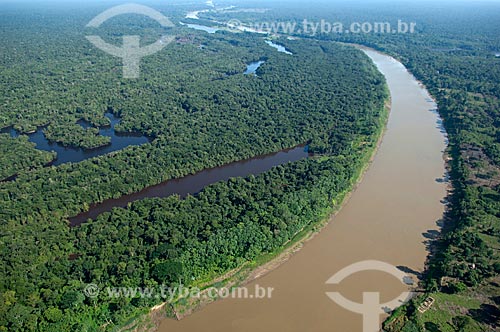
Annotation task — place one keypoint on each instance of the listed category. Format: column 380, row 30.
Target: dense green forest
column 455, row 53
column 193, row 100
column 75, row 135
column 19, row 155
column 201, row 112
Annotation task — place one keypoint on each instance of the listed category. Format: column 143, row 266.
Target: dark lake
column 193, row 184
column 69, row 154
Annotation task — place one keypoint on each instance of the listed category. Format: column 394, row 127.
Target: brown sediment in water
column 390, row 217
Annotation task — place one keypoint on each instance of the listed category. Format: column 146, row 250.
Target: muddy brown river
column 390, row 217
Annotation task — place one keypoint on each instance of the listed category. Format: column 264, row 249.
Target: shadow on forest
column 432, row 236
column 432, row 327
column 487, row 314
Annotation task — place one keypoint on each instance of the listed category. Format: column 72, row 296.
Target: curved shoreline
column 244, row 275
column 337, row 236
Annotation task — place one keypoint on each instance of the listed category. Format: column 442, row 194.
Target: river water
column 390, row 217
column 280, row 48
column 210, row 30
column 252, row 68
column 193, row 184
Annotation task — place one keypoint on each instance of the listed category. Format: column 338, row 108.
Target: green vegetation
column 456, row 63
column 466, row 84
column 473, row 309
column 202, row 112
column 18, row 155
column 76, row 136
column 453, row 54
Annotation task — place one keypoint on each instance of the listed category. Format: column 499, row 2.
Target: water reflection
column 252, row 68
column 280, row 48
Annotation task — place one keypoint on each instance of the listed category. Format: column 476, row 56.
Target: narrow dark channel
column 193, row 184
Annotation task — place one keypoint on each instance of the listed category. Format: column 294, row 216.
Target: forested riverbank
column 462, row 74
column 457, row 63
column 464, row 265
column 203, row 112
